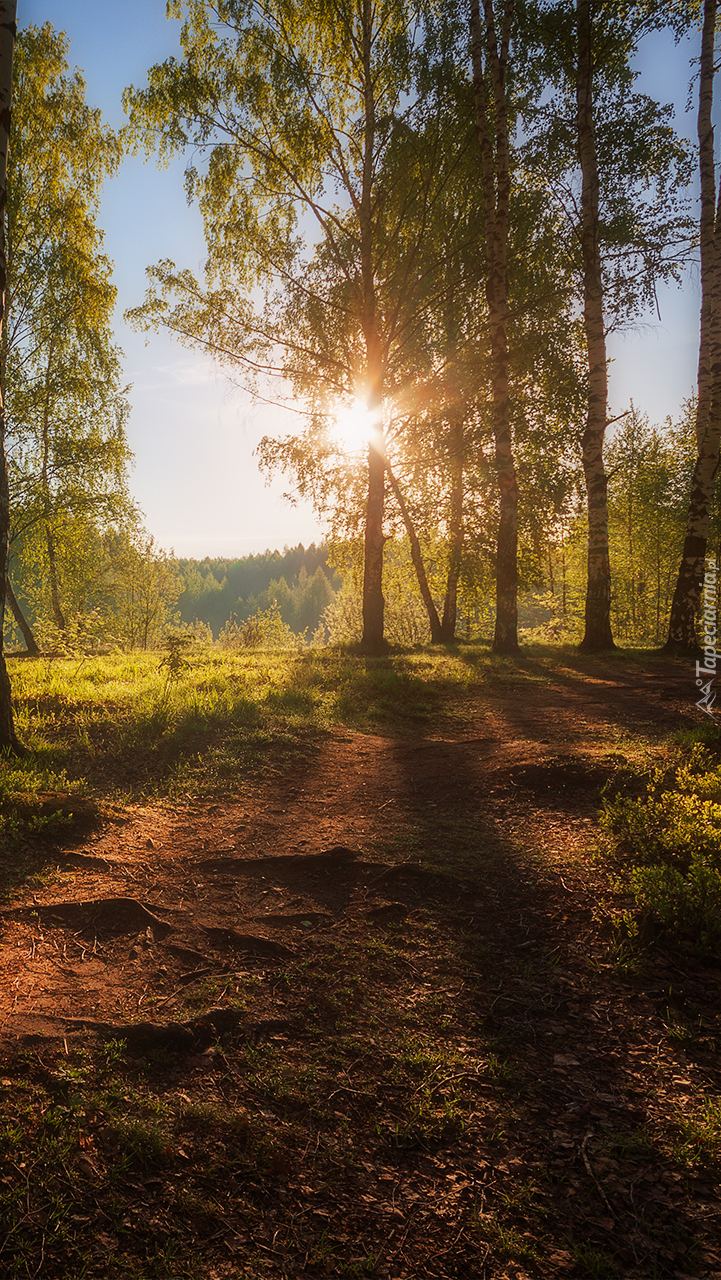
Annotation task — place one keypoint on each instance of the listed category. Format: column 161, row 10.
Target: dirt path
column 540, row 753
column 401, row 853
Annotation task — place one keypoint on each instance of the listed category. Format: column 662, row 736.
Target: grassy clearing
column 126, row 727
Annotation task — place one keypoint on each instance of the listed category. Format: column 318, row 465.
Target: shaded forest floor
column 367, row 1009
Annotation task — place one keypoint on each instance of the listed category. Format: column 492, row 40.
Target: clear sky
column 193, row 436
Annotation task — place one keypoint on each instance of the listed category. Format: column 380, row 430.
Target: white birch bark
column 682, row 624
column 496, row 197
column 8, row 737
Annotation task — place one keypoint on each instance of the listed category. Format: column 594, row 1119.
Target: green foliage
column 34, row 794
column 145, row 587
column 299, row 580
column 406, row 621
column 176, row 645
column 649, row 479
column 61, row 372
column 649, row 476
column 669, row 842
column 700, row 1133
column 127, row 593
column 263, row 630
column 645, row 230
column 114, row 719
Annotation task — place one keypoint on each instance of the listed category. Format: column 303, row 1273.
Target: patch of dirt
column 434, row 887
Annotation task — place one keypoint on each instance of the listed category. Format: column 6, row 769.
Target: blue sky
column 193, row 436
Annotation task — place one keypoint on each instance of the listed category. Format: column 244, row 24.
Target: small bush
column 669, row 840
column 264, row 630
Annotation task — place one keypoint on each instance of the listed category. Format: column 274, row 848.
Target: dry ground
column 371, row 1017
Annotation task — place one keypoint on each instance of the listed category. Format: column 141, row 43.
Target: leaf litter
column 373, row 1020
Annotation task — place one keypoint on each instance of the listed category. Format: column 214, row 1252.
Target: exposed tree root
column 117, row 915
column 249, row 942
column 306, row 862
column 180, row 1037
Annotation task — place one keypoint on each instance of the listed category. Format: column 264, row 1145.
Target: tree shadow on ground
column 572, row 1021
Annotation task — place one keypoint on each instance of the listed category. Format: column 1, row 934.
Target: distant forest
column 299, row 580
column 136, row 593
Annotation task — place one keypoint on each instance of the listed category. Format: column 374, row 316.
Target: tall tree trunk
column 598, row 635
column 496, row 196
column 8, row 737
column 53, row 576
column 47, row 498
column 455, row 529
column 417, row 558
column 687, row 594
column 30, row 641
column 373, row 640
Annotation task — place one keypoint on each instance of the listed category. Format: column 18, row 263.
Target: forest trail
column 525, row 757
column 384, row 877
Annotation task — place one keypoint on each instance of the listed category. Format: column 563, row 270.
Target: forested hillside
column 299, row 581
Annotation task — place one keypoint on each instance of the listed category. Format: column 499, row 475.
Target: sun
column 353, row 426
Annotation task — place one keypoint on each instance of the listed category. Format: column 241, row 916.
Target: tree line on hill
column 298, row 582
column 491, row 196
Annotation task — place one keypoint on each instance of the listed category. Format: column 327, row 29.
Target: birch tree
column 687, row 594
column 293, row 107
column 610, row 158
column 597, row 634
column 8, row 738
column 490, row 57
column 59, row 367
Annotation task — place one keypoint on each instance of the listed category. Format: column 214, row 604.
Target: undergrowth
column 667, row 840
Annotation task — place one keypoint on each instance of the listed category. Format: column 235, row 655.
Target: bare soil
column 399, row 962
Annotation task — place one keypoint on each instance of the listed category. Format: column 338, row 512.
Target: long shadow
column 637, row 690
column 587, row 1044
column 586, row 1051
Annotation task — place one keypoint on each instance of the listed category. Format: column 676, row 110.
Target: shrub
column 264, row 630
column 669, row 840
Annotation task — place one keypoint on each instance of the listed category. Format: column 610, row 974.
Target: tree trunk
column 417, row 558
column 687, row 594
column 455, row 530
column 373, row 640
column 496, row 195
column 47, row 499
column 30, row 641
column 53, row 575
column 8, row 737
column 598, row 635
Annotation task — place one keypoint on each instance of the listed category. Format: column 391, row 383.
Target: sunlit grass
column 120, row 726
column 700, row 1133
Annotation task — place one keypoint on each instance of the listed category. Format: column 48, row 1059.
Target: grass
column 118, row 728
column 699, row 1140
column 101, row 721
column 403, row 1124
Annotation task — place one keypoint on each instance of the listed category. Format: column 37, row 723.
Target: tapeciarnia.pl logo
column 708, row 618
